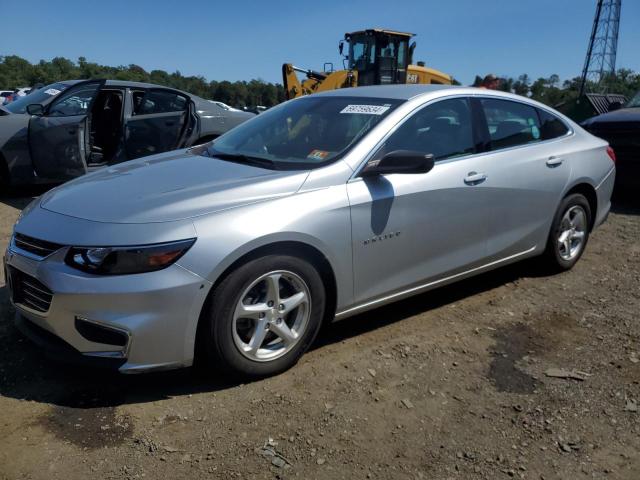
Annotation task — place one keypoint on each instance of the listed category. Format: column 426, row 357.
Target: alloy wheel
column 271, row 316
column 573, row 228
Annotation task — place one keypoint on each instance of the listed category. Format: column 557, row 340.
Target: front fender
column 320, row 219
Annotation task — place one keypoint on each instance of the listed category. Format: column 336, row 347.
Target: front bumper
column 156, row 313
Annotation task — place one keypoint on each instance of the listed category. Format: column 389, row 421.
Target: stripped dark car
column 69, row 128
column 621, row 128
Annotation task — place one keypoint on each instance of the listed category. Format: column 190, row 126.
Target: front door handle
column 474, row 178
column 554, row 161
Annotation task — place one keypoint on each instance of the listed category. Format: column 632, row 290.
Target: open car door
column 59, row 139
column 159, row 121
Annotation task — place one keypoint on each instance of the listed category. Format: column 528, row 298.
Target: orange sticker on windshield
column 318, row 154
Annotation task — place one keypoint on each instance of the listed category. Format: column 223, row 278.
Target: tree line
column 553, row 92
column 17, row 72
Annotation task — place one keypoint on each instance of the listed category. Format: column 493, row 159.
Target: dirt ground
column 449, row 384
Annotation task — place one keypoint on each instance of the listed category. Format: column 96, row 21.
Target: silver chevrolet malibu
column 237, row 251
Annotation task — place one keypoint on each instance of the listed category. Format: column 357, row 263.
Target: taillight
column 612, row 154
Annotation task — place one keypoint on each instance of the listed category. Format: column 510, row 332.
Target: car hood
column 617, row 117
column 168, row 187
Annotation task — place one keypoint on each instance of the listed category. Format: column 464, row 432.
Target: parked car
column 4, row 94
column 323, row 207
column 621, row 128
column 69, row 128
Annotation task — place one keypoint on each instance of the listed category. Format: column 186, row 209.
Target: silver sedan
column 237, row 251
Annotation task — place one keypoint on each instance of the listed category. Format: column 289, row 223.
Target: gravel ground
column 454, row 384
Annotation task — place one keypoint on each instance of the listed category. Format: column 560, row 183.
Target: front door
column 157, row 122
column 58, row 140
column 408, row 229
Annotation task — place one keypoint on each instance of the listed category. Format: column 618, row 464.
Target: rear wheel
column 569, row 232
column 263, row 316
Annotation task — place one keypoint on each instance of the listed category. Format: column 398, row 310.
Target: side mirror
column 399, row 161
column 613, row 106
column 341, row 46
column 35, row 109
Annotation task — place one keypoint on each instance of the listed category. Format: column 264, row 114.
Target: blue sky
column 241, row 40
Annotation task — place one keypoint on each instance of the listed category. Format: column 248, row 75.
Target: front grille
column 29, row 292
column 40, row 248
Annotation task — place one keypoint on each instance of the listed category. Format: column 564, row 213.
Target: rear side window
column 443, row 129
column 551, row 126
column 159, row 101
column 510, row 123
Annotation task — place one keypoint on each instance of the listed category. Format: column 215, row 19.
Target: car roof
column 399, row 92
column 124, row 83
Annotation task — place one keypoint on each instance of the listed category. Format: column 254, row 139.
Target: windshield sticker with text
column 318, row 154
column 366, row 109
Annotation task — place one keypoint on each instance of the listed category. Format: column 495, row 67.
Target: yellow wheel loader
column 375, row 57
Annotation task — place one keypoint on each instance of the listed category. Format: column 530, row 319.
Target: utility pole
column 600, row 62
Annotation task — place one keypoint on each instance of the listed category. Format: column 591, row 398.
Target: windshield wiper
column 241, row 158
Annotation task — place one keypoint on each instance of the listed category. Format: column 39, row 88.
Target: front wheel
column 569, row 232
column 263, row 316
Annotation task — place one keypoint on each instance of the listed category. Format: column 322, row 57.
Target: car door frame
column 437, row 278
column 83, row 133
column 188, row 129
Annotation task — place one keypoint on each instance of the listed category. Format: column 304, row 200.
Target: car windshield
column 304, row 133
column 41, row 96
column 634, row 102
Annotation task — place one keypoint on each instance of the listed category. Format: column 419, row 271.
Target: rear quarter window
column 551, row 126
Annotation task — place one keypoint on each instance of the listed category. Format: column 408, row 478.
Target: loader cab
column 380, row 57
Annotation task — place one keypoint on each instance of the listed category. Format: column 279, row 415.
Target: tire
column 5, row 179
column 569, row 233
column 232, row 342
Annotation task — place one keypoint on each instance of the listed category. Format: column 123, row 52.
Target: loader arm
column 315, row 81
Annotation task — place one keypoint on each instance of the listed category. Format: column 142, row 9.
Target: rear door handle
column 474, row 178
column 554, row 161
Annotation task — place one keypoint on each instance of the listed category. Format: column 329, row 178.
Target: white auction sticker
column 52, row 91
column 366, row 109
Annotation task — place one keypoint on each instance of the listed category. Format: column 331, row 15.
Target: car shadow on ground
column 25, row 373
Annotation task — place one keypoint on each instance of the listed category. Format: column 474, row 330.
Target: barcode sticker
column 365, row 109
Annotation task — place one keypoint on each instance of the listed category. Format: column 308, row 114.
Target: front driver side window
column 443, row 129
column 75, row 101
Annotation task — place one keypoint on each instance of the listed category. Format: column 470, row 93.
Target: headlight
column 126, row 260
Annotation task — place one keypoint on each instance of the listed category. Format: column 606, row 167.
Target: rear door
column 527, row 173
column 159, row 120
column 408, row 229
column 58, row 140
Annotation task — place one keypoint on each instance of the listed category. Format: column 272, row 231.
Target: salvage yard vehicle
column 69, row 128
column 621, row 128
column 323, row 207
column 375, row 57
